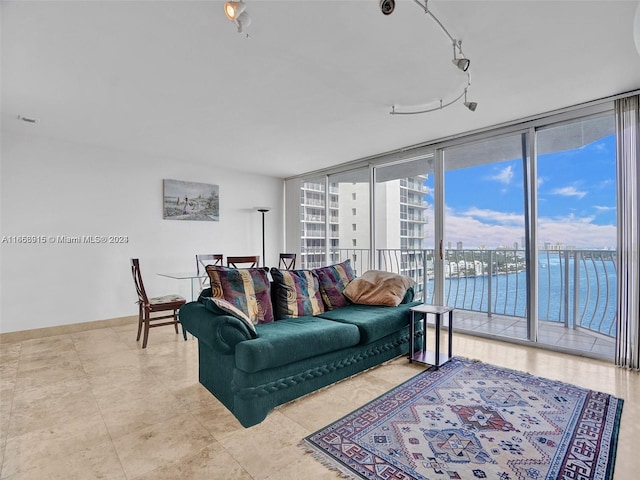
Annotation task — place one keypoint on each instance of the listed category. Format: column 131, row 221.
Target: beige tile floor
column 95, row 405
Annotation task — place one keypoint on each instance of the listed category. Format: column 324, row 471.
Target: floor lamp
column 263, row 210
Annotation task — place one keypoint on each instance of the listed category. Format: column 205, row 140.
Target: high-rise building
column 313, row 213
column 400, row 223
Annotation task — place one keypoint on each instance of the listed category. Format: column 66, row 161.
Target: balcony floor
column 551, row 335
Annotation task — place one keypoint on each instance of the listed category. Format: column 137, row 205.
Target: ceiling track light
column 387, row 6
column 462, row 63
column 235, row 11
column 459, row 60
column 470, row 105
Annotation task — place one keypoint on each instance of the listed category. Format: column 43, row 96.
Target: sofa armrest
column 220, row 332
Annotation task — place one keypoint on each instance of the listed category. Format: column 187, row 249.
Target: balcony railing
column 576, row 288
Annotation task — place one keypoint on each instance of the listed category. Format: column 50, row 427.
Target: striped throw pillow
column 296, row 293
column 247, row 289
column 333, row 280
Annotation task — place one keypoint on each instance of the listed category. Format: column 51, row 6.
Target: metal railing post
column 576, row 287
column 489, row 282
column 424, row 276
column 566, row 288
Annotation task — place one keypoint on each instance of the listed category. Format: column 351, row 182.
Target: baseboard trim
column 13, row 337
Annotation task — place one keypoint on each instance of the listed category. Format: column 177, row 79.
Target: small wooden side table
column 420, row 312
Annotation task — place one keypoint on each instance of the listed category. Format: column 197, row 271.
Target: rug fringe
column 327, row 461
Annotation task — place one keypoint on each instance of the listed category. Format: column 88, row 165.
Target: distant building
column 400, row 225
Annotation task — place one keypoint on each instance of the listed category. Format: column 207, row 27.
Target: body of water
column 594, row 294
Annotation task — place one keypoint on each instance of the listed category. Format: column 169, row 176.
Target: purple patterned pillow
column 246, row 288
column 333, row 280
column 296, row 293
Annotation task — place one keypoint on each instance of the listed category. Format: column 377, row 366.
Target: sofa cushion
column 293, row 339
column 246, row 288
column 376, row 287
column 333, row 279
column 222, row 307
column 374, row 322
column 296, row 293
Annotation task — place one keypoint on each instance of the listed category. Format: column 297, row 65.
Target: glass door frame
column 527, row 136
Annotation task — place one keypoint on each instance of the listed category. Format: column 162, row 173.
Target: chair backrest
column 137, row 279
column 204, row 259
column 287, row 261
column 251, row 260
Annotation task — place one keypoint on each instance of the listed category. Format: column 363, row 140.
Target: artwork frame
column 184, row 200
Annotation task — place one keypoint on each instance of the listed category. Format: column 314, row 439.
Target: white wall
column 53, row 188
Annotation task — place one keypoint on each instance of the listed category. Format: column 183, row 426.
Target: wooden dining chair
column 287, row 261
column 249, row 261
column 147, row 306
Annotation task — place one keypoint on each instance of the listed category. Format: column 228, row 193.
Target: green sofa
column 290, row 357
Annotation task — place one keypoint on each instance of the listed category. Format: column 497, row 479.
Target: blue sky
column 576, row 200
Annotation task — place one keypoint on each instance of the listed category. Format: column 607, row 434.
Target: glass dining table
column 194, row 277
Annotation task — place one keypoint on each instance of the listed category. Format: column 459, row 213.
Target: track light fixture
column 462, row 63
column 459, row 60
column 235, row 11
column 387, row 6
column 470, row 105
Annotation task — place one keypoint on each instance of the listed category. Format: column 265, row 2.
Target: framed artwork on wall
column 190, row 201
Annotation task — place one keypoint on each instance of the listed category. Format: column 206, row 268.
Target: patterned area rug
column 472, row 420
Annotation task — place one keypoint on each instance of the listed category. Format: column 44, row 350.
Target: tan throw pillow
column 376, row 287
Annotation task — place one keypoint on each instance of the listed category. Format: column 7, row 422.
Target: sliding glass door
column 404, row 227
column 576, row 222
column 516, row 229
column 484, row 243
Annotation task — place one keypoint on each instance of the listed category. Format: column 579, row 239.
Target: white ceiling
column 312, row 86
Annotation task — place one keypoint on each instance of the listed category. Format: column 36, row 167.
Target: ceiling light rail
column 460, row 60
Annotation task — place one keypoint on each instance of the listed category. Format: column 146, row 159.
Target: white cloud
column 601, row 147
column 569, row 192
column 474, row 233
column 571, row 218
column 602, row 209
column 503, row 176
column 495, row 216
column 581, row 233
column 477, row 227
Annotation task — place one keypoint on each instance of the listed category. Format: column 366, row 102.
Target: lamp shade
column 234, row 9
column 471, row 105
column 462, row 63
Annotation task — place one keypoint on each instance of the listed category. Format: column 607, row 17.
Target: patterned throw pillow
column 246, row 288
column 296, row 293
column 222, row 307
column 333, row 280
